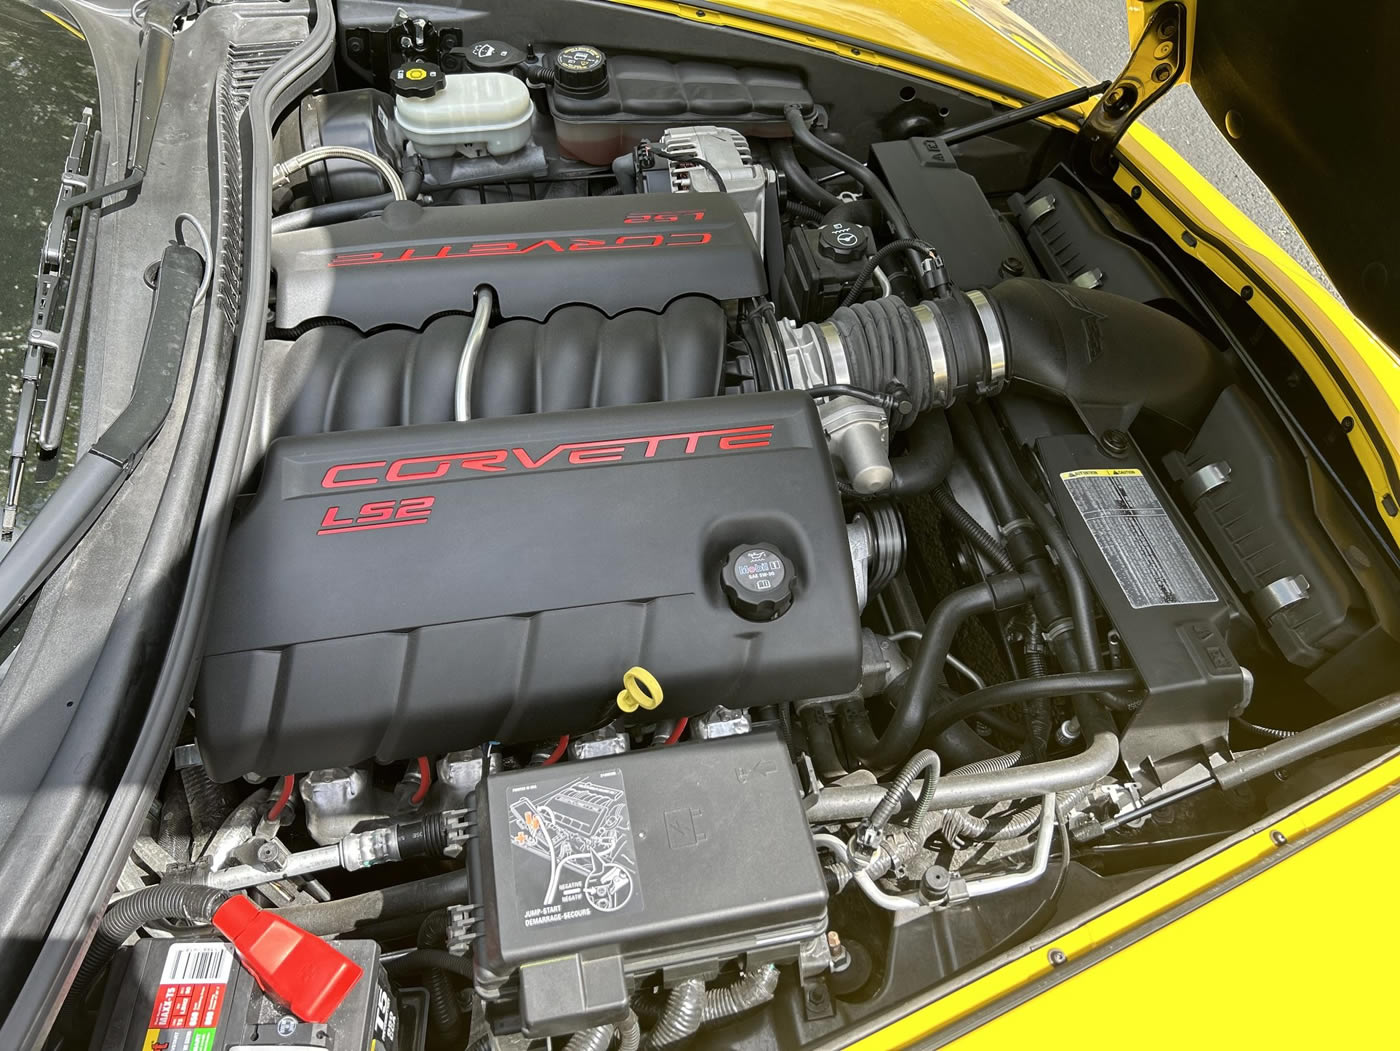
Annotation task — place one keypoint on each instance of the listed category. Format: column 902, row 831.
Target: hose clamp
column 839, row 364
column 937, row 352
column 996, row 344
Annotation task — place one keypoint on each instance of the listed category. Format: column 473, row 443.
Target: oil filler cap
column 757, row 580
column 581, row 70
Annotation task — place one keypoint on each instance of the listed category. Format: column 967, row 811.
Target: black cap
column 757, row 580
column 493, row 56
column 843, row 242
column 418, row 78
column 581, row 70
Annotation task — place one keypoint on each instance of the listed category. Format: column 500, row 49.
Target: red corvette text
column 480, row 249
column 414, row 469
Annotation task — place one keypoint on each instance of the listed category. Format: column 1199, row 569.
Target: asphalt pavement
column 1095, row 33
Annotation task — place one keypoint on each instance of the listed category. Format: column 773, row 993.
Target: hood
column 1302, row 93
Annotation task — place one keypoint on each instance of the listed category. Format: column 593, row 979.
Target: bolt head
column 1162, row 73
column 1057, row 957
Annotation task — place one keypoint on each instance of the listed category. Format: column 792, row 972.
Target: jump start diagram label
column 1138, row 539
column 573, row 849
column 190, row 997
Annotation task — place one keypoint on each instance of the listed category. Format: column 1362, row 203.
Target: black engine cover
column 407, row 591
column 613, row 253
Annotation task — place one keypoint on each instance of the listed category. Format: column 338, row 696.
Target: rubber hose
column 329, row 918
column 799, row 180
column 884, row 342
column 629, row 1033
column 596, row 1039
column 752, row 990
column 919, row 762
column 961, row 520
column 339, row 211
column 1020, row 690
column 680, row 1018
column 1081, row 597
column 911, row 710
column 928, row 459
column 821, row 744
column 444, row 1009
column 863, row 175
column 125, row 916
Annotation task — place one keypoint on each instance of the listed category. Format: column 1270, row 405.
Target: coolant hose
column 329, row 918
column 822, row 746
column 125, row 916
column 1020, row 690
column 681, row 1016
column 928, row 460
column 799, row 180
column 754, row 989
column 921, row 684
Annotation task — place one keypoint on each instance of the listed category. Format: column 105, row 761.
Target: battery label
column 190, row 997
column 573, row 849
column 1138, row 540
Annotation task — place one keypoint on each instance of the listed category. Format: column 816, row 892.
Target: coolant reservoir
column 474, row 113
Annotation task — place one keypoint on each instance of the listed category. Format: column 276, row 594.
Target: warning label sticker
column 573, row 848
column 190, row 997
column 1141, row 544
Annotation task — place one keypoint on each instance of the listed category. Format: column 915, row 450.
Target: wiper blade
column 66, row 260
column 51, row 347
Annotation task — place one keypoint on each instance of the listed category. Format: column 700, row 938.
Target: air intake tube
column 1112, row 359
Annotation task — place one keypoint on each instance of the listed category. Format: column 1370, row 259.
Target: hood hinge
column 1154, row 66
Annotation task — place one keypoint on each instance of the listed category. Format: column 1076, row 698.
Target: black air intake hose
column 1111, row 358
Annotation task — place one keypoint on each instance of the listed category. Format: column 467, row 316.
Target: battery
column 590, row 875
column 186, row 994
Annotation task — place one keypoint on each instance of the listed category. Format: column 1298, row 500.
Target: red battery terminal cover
column 296, row 967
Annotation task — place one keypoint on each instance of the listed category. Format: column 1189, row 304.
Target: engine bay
column 717, row 555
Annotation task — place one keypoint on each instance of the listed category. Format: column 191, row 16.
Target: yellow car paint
column 971, row 42
column 1230, row 985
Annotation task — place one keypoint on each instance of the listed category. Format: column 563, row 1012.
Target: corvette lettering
column 567, row 454
column 481, row 249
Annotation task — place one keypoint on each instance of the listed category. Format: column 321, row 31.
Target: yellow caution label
column 1117, row 472
column 416, row 73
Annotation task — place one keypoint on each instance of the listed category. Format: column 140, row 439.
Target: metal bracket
column 1154, row 66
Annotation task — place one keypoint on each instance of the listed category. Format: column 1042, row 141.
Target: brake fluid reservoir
column 473, row 114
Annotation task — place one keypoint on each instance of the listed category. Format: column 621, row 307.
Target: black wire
column 1019, row 690
column 676, row 158
column 846, row 390
column 915, row 244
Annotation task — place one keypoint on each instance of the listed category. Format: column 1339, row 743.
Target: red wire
column 425, row 780
column 680, row 729
column 558, row 752
column 288, row 783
